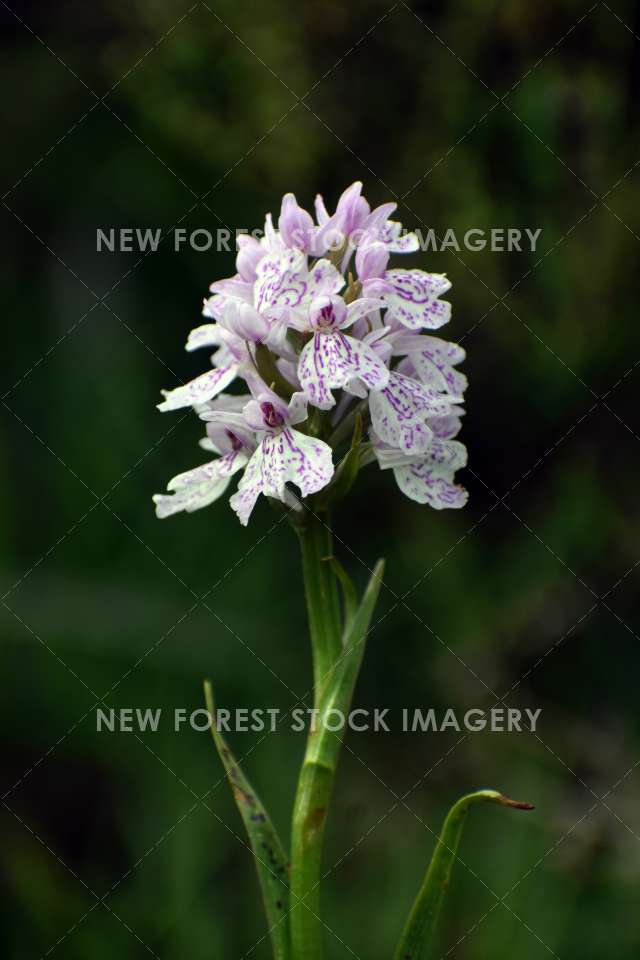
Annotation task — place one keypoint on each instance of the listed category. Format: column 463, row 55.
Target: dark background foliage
column 474, row 114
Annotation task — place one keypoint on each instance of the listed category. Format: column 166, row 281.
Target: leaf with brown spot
column 270, row 859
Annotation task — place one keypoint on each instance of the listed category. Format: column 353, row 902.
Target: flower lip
column 327, row 313
column 272, row 417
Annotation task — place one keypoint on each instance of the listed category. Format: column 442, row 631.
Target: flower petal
column 447, row 426
column 400, row 412
column 412, row 298
column 203, row 388
column 286, row 456
column 442, row 453
column 199, row 487
column 233, row 287
column 286, row 282
column 390, row 233
column 430, row 483
column 331, row 360
column 360, row 308
column 433, row 360
column 206, row 335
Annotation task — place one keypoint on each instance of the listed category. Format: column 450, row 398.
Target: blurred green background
column 478, row 115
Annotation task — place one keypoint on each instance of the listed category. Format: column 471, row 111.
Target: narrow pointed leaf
column 349, row 596
column 270, row 858
column 418, row 932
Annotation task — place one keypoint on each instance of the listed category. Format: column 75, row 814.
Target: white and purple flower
column 331, row 360
column 282, row 455
column 429, row 478
column 306, row 338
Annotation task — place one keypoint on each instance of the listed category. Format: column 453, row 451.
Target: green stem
column 315, row 784
column 337, row 655
column 309, row 817
column 344, row 430
column 321, row 592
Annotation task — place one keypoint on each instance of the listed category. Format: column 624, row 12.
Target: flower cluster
column 335, row 363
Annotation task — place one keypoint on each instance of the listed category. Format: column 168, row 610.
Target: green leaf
column 271, row 861
column 349, row 595
column 422, row 920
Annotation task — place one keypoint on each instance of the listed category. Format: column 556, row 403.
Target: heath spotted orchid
column 325, row 361
column 322, row 347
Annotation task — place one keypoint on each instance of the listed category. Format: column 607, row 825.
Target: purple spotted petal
column 412, row 298
column 447, row 426
column 395, row 241
column 288, row 456
column 360, row 308
column 429, row 478
column 286, row 282
column 428, row 483
column 433, row 361
column 203, row 388
column 199, row 487
column 281, row 281
column 331, row 360
column 400, row 412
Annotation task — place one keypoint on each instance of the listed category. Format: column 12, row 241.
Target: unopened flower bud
column 295, row 224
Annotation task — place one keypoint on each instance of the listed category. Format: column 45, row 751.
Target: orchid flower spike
column 321, row 349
